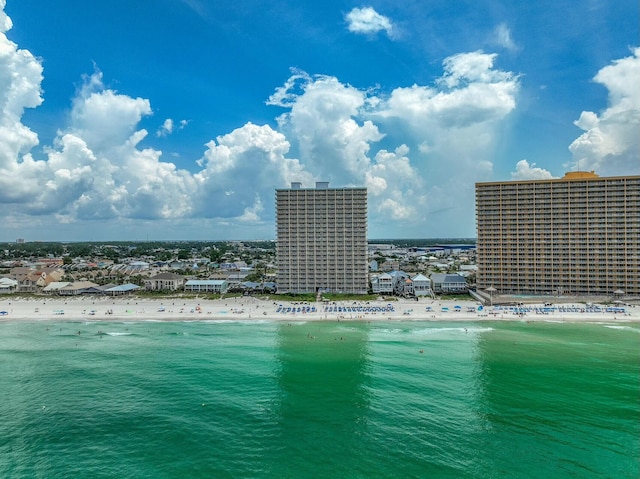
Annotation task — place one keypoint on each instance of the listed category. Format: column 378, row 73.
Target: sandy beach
column 253, row 308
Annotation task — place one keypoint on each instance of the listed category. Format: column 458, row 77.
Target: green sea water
column 251, row 399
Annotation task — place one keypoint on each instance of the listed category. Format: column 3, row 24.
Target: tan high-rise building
column 321, row 239
column 579, row 234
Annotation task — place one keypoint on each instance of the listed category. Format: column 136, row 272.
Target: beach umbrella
column 618, row 291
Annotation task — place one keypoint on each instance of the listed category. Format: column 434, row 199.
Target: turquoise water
column 319, row 400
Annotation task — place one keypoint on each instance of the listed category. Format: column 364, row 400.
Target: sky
column 178, row 119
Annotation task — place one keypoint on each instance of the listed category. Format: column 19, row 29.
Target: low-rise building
column 421, row 285
column 164, row 281
column 54, row 287
column 76, row 288
column 382, row 283
column 121, row 289
column 236, row 277
column 407, row 288
column 206, row 286
column 448, row 283
column 8, row 285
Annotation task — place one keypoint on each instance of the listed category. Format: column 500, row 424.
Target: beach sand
column 253, row 308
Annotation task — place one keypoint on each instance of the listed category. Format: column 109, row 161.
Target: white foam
column 623, row 328
column 460, row 329
column 388, row 331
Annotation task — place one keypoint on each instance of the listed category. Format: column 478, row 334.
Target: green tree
column 215, row 255
column 79, row 250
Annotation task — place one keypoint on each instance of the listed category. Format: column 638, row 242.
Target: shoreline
column 252, row 308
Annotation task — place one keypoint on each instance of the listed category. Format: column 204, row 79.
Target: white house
column 421, row 285
column 164, row 281
column 8, row 285
column 382, row 284
column 55, row 286
column 206, row 286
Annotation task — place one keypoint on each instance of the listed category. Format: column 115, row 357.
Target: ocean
column 322, row 399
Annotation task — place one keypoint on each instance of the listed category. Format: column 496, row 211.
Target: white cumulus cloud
column 103, row 117
column 610, row 144
column 403, row 196
column 367, row 21
column 418, row 148
column 5, row 21
column 166, row 128
column 20, row 80
column 169, row 126
column 241, row 170
column 526, row 171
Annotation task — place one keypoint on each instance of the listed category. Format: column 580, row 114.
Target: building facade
column 577, row 235
column 164, row 281
column 321, row 239
column 449, row 283
column 206, row 286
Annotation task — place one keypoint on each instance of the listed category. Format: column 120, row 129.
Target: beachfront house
column 121, row 289
column 76, row 288
column 408, row 288
column 54, row 287
column 21, row 273
column 164, row 282
column 28, row 284
column 401, row 287
column 8, row 285
column 206, row 286
column 448, row 283
column 112, row 289
column 421, row 285
column 382, row 283
column 32, row 280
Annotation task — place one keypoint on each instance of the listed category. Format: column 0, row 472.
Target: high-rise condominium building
column 321, row 239
column 576, row 235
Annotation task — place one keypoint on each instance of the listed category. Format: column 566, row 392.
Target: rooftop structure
column 321, row 239
column 579, row 234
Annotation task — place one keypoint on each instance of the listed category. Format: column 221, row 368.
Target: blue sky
column 177, row 119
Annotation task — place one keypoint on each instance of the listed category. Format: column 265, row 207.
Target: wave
column 386, row 334
column 459, row 329
column 623, row 328
column 388, row 330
